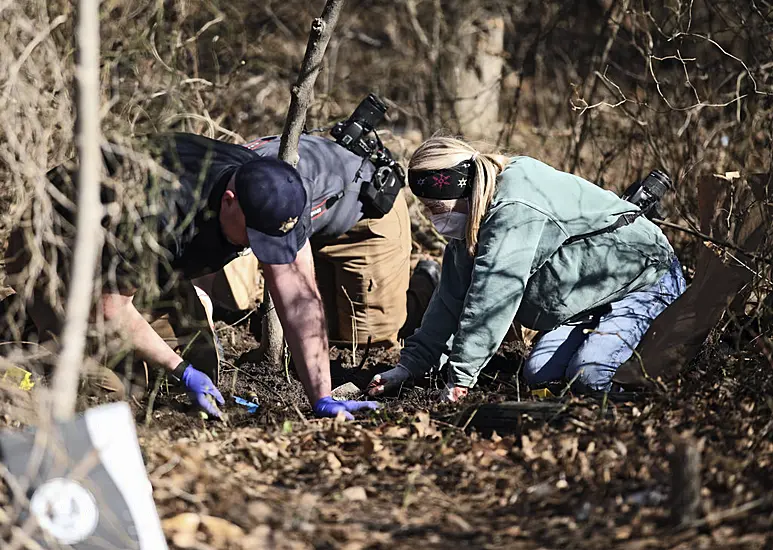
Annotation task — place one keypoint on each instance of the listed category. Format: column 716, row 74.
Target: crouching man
column 209, row 202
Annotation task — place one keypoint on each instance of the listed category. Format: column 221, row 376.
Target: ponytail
column 438, row 153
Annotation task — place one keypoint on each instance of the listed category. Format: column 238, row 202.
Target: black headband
column 448, row 183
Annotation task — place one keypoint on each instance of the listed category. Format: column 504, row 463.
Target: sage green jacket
column 523, row 269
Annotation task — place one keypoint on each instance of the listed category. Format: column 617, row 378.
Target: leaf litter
column 411, row 475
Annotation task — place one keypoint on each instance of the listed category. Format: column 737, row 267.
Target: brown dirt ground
column 575, row 473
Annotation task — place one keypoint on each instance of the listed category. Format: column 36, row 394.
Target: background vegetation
column 608, row 89
column 605, row 88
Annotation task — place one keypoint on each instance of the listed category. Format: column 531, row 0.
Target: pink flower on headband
column 441, row 180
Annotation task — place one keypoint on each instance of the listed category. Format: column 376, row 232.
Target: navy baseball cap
column 271, row 195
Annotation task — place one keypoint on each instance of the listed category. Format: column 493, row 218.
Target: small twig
column 604, row 405
column 19, row 493
column 22, row 535
column 365, row 353
column 580, row 424
column 237, row 321
column 190, row 343
column 731, row 513
column 354, row 325
column 202, row 30
column 712, row 240
column 15, row 69
column 470, row 419
column 165, row 468
column 569, row 384
column 89, row 236
column 21, row 342
column 160, row 377
column 300, row 414
column 286, row 357
column 559, row 412
column 233, row 380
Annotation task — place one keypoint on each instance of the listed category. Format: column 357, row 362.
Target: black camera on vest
column 354, row 132
column 647, row 193
column 358, row 135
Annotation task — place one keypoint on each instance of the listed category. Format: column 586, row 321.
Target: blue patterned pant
column 589, row 354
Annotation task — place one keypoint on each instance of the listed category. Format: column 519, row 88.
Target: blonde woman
column 539, row 246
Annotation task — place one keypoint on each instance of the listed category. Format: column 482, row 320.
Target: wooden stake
column 685, row 482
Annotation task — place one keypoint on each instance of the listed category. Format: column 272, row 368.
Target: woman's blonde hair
column 441, row 152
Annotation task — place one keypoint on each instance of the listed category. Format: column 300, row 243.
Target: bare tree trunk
column 478, row 76
column 272, row 338
column 89, row 237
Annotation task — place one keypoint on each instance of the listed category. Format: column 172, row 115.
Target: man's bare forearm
column 309, row 344
column 120, row 311
column 299, row 306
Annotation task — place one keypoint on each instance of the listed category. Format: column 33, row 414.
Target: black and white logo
column 65, row 509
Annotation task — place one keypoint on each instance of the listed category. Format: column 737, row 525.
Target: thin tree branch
column 272, row 336
column 301, row 94
column 89, row 236
column 724, row 244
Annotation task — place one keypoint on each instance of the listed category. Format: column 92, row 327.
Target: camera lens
column 657, row 183
column 370, row 112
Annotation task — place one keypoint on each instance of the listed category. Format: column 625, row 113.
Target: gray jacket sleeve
column 508, row 245
column 424, row 348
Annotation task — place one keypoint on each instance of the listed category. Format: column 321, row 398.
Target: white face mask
column 452, row 225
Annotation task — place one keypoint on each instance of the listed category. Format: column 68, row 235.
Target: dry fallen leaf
column 528, row 448
column 459, row 522
column 370, row 445
column 333, row 462
column 259, row 511
column 222, row 531
column 623, row 532
column 423, row 425
column 260, row 537
column 182, row 529
column 355, row 494
column 397, row 432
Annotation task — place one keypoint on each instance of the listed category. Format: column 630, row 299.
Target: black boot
column 424, row 281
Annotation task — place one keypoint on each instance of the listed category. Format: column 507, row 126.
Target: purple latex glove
column 327, row 406
column 199, row 385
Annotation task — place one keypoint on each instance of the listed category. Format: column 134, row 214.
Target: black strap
column 177, row 373
column 625, row 219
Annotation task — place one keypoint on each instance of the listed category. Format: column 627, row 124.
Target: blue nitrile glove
column 327, row 406
column 199, row 385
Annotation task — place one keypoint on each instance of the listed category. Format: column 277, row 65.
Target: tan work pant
column 363, row 277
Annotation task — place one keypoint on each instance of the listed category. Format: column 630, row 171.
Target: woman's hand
column 389, row 380
column 454, row 393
